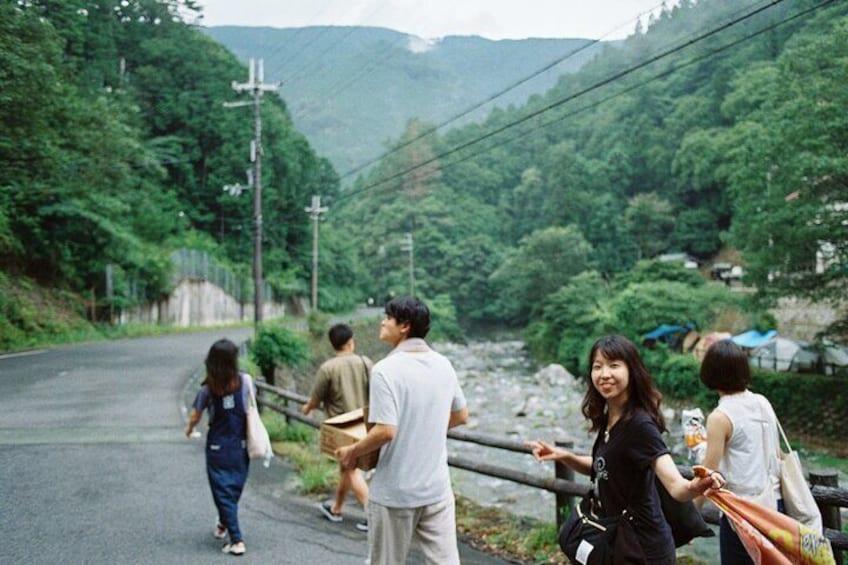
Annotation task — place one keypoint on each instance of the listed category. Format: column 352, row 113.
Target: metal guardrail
column 829, row 496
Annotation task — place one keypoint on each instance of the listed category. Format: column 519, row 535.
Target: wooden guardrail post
column 286, row 405
column 563, row 471
column 260, row 399
column 831, row 515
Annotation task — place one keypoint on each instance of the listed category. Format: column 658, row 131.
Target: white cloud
column 494, row 19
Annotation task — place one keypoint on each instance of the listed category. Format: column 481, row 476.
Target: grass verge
column 298, row 443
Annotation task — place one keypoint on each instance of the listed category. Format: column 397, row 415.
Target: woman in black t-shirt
column 623, row 405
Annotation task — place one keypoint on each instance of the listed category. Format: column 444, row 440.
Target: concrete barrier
column 198, row 303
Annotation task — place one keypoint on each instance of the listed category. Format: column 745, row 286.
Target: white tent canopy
column 777, row 354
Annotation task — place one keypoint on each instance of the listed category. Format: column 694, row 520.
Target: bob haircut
column 222, row 373
column 642, row 394
column 410, row 310
column 725, row 367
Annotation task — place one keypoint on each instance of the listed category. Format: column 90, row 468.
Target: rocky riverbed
column 508, row 395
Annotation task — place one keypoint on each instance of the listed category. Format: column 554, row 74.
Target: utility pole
column 407, row 245
column 315, row 211
column 255, row 85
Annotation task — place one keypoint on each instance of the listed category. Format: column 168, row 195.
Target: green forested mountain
column 351, row 89
column 115, row 146
column 722, row 123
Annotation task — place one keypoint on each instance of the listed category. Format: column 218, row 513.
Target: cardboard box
column 343, row 430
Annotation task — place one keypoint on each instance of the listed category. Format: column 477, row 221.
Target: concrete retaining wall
column 198, row 303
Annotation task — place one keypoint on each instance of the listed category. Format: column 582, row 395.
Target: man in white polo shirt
column 414, row 398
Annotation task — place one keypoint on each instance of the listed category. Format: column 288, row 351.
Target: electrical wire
column 604, row 82
column 491, row 98
column 636, row 86
column 295, row 74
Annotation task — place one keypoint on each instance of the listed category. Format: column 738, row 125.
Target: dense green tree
column 654, row 270
column 786, row 165
column 115, row 143
column 570, row 318
column 640, row 307
column 649, row 219
column 542, row 263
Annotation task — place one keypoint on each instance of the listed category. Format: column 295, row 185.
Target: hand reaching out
column 544, row 451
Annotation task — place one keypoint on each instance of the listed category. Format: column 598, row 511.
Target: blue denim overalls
column 226, row 456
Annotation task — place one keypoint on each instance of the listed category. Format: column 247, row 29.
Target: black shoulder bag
column 588, row 539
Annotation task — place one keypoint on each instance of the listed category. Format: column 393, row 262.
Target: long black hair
column 642, row 393
column 222, row 373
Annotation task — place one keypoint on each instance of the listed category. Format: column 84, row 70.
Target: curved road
column 94, row 467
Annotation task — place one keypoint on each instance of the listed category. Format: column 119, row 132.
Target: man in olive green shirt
column 341, row 385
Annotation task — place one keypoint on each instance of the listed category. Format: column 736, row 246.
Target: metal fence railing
column 199, row 265
column 825, row 487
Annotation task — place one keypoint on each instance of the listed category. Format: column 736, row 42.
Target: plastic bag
column 695, row 434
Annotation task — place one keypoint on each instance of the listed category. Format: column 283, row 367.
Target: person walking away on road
column 742, row 439
column 341, row 385
column 415, row 397
column 623, row 406
column 225, row 395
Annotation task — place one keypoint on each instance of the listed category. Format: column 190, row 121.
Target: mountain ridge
column 351, row 90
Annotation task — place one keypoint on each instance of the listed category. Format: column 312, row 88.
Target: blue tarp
column 753, row 338
column 663, row 330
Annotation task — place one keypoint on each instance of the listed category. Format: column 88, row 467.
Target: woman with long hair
column 225, row 395
column 623, row 405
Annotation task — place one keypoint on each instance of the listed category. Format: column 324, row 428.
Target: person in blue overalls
column 224, row 394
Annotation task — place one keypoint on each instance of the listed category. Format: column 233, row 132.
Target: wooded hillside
column 722, row 123
column 351, row 89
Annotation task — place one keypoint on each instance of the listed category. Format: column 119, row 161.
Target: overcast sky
column 493, row 19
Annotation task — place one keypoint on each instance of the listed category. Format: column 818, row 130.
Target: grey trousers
column 392, row 531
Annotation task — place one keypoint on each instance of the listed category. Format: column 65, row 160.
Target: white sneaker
column 220, row 531
column 234, row 548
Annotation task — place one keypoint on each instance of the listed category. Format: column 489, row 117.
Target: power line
column 350, row 30
column 366, row 69
column 631, row 88
column 580, row 93
column 309, row 41
column 490, row 98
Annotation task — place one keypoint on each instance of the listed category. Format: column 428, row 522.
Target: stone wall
column 198, row 303
column 802, row 319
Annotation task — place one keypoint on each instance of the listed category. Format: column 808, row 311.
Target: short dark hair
column 725, row 367
column 410, row 310
column 339, row 335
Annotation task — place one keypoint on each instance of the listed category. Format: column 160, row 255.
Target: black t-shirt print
column 624, row 478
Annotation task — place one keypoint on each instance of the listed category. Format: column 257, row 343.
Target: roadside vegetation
column 33, row 316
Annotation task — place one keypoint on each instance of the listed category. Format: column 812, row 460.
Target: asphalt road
column 94, row 467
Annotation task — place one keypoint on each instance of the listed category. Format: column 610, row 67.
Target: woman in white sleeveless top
column 741, row 439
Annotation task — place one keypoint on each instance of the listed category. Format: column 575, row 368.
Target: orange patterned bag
column 769, row 536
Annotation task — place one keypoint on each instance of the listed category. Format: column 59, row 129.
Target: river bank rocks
column 509, row 395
